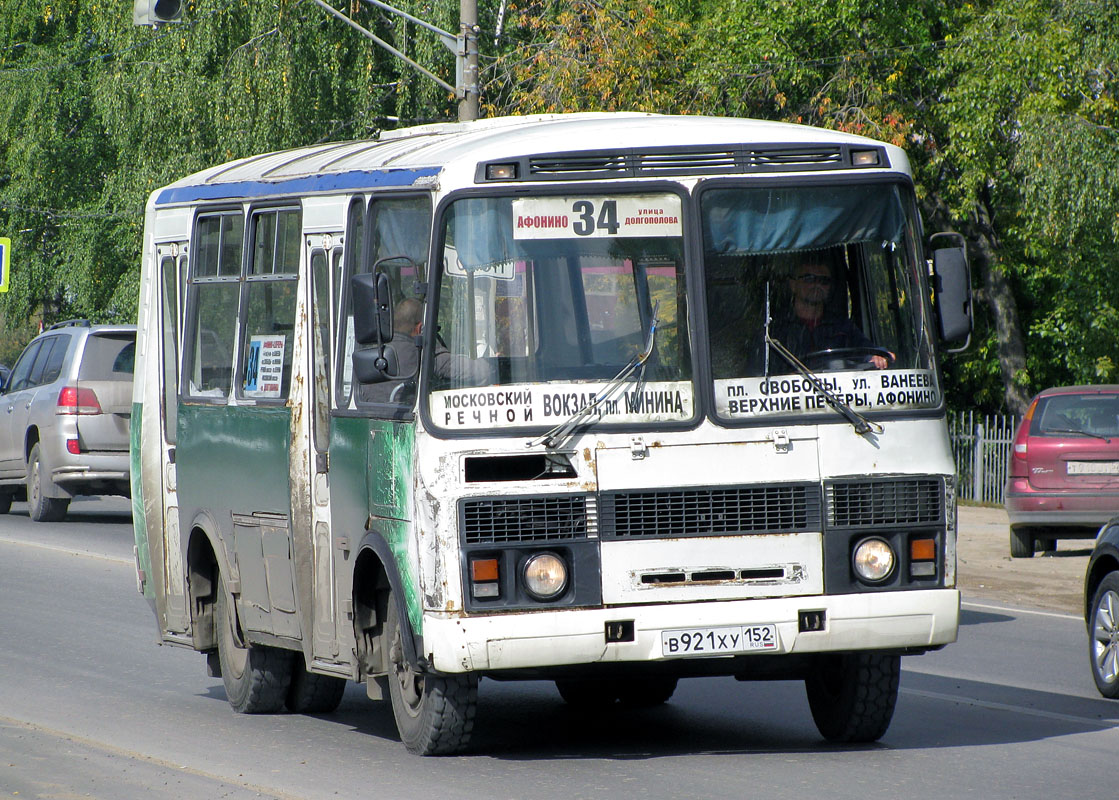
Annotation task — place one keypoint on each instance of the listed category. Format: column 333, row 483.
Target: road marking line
column 65, row 550
column 1033, row 712
column 104, row 747
column 1012, row 610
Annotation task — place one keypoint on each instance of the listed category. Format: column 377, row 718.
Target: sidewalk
column 986, row 572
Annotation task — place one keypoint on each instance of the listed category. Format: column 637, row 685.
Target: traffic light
column 156, row 12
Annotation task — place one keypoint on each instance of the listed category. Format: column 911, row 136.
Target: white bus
column 605, row 399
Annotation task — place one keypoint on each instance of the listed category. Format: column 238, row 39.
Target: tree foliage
column 1007, row 109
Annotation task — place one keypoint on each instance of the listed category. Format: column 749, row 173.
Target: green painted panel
column 232, row 458
column 371, row 476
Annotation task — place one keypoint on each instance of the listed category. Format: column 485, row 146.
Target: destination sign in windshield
column 792, row 394
column 532, row 405
column 613, row 216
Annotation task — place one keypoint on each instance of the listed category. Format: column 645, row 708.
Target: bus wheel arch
column 202, row 579
column 374, row 579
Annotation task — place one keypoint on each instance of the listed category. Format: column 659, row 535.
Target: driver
column 407, row 325
column 807, row 327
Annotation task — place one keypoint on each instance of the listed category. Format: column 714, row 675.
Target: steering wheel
column 845, row 357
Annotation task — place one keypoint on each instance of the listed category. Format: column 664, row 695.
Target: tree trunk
column 1004, row 307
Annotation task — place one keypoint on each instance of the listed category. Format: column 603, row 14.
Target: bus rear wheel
column 852, row 695
column 256, row 678
column 434, row 713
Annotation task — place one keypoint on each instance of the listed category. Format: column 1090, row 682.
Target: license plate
column 1093, row 467
column 718, row 641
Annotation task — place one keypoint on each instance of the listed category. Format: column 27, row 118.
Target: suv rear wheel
column 41, row 507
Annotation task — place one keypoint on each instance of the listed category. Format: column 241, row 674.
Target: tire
column 41, row 507
column 1103, row 636
column 434, row 713
column 852, row 696
column 1046, row 545
column 256, row 678
column 1021, row 543
column 311, row 693
column 5, row 503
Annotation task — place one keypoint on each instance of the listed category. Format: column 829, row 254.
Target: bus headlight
column 545, row 576
column 874, row 560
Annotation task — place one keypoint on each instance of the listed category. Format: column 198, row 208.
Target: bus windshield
column 555, row 296
column 827, row 279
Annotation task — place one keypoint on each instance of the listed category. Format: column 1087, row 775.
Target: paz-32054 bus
column 604, row 399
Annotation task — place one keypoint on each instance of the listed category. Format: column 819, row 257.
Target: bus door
column 324, row 255
column 172, row 260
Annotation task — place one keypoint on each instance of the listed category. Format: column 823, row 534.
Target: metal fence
column 981, row 446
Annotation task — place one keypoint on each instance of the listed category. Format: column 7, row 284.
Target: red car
column 1063, row 476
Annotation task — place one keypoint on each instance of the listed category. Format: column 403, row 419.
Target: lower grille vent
column 885, row 502
column 524, row 519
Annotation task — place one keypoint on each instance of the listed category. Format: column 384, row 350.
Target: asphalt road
column 90, row 706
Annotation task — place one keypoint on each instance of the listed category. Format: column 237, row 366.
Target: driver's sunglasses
column 810, row 277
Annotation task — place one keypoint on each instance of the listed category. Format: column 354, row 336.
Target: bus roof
column 578, row 146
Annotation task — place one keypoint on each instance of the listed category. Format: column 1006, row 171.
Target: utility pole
column 464, row 46
column 468, row 42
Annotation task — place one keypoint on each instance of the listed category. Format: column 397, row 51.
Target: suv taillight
column 1018, row 464
column 74, row 400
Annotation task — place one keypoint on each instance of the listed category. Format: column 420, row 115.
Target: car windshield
column 828, row 276
column 544, row 300
column 1084, row 414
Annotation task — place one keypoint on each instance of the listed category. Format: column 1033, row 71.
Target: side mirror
column 952, row 288
column 376, row 364
column 372, row 304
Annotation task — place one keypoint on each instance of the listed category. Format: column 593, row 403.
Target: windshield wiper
column 559, row 434
column 1077, row 430
column 862, row 424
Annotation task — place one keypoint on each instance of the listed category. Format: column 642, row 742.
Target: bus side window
column 400, row 232
column 270, row 294
column 355, row 239
column 213, row 291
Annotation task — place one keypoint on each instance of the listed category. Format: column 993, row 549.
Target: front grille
column 885, row 502
column 706, row 512
column 524, row 519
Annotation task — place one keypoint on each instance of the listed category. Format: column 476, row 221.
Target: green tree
column 1024, row 140
column 96, row 113
column 590, row 55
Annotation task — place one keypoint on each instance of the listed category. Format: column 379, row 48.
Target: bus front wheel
column 852, row 695
column 256, row 678
column 434, row 713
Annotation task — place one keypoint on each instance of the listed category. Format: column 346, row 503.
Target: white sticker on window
column 621, row 216
column 791, row 394
column 527, row 405
column 264, row 369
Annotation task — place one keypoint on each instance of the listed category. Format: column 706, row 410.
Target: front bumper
column 872, row 621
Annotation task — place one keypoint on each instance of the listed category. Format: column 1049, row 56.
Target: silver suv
column 64, row 413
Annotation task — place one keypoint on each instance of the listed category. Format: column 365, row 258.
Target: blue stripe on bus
column 359, row 179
